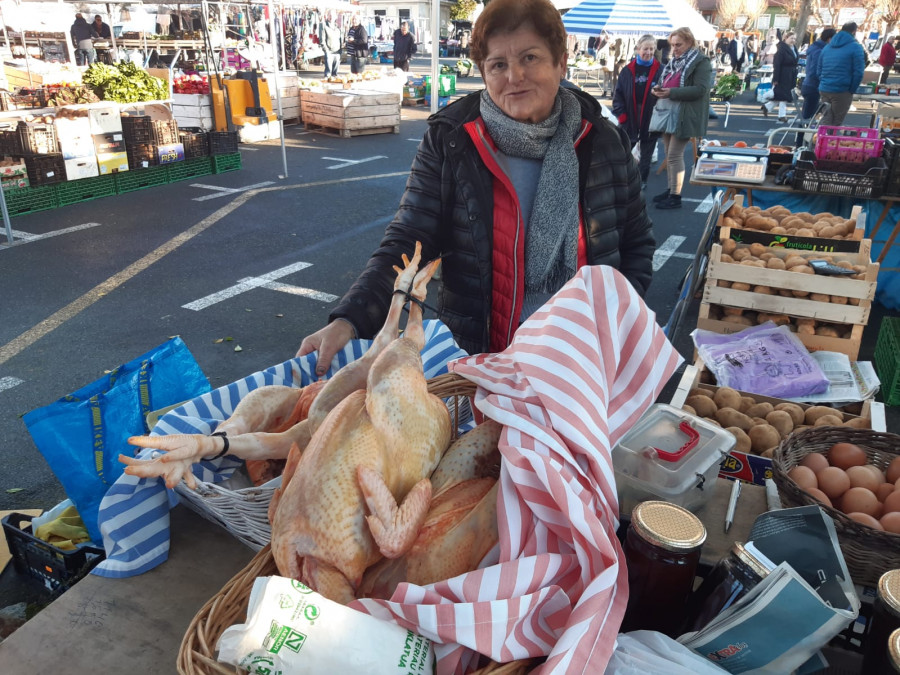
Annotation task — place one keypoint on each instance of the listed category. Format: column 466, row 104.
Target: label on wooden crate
column 787, row 241
column 168, row 154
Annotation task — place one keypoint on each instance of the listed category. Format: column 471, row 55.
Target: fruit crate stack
column 223, row 142
column 150, row 142
column 758, row 276
column 195, row 141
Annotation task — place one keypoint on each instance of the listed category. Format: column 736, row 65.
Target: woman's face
column 678, row 44
column 521, row 76
column 646, row 50
column 790, row 39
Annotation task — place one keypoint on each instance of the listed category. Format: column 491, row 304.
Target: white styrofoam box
column 253, row 133
column 105, row 120
column 193, row 100
column 204, row 122
column 82, row 167
column 74, row 136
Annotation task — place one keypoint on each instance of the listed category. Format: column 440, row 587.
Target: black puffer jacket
column 448, row 206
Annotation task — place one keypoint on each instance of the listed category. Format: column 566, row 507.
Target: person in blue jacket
column 840, row 70
column 810, row 87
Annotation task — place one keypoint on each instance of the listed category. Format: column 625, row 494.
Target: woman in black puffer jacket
column 475, row 197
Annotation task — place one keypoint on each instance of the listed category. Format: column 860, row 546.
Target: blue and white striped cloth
column 134, row 514
column 636, row 17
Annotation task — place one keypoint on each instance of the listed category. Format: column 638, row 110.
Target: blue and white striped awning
column 636, row 17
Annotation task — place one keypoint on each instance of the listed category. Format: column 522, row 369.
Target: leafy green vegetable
column 124, row 83
column 727, row 86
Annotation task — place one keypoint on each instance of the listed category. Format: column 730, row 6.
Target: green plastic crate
column 887, row 359
column 189, row 168
column 223, row 163
column 28, row 200
column 86, row 189
column 128, row 181
column 448, row 84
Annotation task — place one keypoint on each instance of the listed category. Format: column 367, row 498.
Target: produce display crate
column 223, row 142
column 793, row 241
column 447, row 84
column 753, row 468
column 31, row 199
column 867, row 184
column 9, row 143
column 850, row 144
column 195, row 141
column 37, row 138
column 887, row 359
column 190, row 168
column 138, row 180
column 223, row 163
column 143, row 129
column 45, row 169
column 141, row 156
column 348, row 113
column 86, row 189
column 55, row 568
column 859, row 291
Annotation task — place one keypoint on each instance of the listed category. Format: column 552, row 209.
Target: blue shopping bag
column 81, row 435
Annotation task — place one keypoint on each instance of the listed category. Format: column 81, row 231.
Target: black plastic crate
column 37, row 138
column 867, row 183
column 45, row 169
column 9, row 143
column 30, row 98
column 892, row 159
column 141, row 156
column 195, row 141
column 223, row 142
column 56, row 568
column 142, row 129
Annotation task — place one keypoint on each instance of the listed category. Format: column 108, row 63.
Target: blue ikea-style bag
column 81, row 435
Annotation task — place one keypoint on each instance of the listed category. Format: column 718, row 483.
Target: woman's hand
column 661, row 92
column 328, row 341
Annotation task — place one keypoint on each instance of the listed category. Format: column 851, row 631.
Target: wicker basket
column 868, row 552
column 229, row 606
column 245, row 512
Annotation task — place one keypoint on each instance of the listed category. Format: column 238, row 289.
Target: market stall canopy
column 636, row 17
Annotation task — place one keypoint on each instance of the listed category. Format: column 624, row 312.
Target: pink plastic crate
column 848, row 144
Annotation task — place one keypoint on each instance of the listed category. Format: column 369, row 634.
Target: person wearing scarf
column 684, row 91
column 633, row 101
column 514, row 187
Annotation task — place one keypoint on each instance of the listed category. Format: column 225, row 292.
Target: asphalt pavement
column 252, row 259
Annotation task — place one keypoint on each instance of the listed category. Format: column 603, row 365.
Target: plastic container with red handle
column 669, row 455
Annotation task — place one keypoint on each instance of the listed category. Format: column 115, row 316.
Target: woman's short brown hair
column 685, row 34
column 506, row 16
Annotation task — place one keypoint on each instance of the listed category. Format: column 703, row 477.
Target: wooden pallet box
column 853, row 314
column 747, row 466
column 193, row 110
column 350, row 113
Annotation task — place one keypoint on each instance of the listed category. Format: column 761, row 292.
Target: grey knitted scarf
column 551, row 242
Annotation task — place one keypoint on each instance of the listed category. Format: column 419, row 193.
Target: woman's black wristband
column 224, row 449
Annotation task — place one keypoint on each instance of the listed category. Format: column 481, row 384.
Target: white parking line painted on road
column 243, row 285
column 9, row 382
column 416, row 140
column 662, row 254
column 299, row 290
column 249, row 149
column 705, row 206
column 691, row 199
column 350, row 162
column 27, row 237
column 222, row 191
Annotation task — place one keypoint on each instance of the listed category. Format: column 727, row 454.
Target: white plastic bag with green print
column 291, row 629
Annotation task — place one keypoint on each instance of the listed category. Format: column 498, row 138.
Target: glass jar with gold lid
column 893, row 652
column 885, row 620
column 662, row 549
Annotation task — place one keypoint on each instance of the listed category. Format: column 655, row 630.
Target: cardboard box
column 74, row 137
column 14, row 183
column 171, row 153
column 112, row 162
column 105, row 120
column 82, row 167
column 11, row 171
column 109, row 143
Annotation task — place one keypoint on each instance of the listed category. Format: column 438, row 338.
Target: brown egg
column 893, row 471
column 865, row 519
column 883, row 491
column 861, row 476
column 860, row 500
column 878, row 473
column 821, row 496
column 804, row 477
column 833, row 482
column 892, row 502
column 815, row 461
column 891, row 522
column 845, row 455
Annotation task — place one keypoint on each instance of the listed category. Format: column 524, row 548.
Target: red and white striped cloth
column 578, row 375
